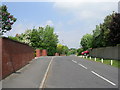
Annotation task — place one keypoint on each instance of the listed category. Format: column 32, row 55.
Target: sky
column 71, row 20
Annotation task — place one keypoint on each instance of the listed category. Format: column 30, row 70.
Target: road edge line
column 45, row 76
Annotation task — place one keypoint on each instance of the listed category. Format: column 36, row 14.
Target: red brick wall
column 14, row 56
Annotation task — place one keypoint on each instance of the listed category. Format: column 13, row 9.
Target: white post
column 111, row 63
column 90, row 57
column 95, row 58
column 102, row 60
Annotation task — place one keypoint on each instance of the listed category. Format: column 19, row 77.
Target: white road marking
column 103, row 78
column 82, row 66
column 46, row 73
column 74, row 61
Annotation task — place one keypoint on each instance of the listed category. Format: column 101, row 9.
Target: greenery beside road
column 116, row 63
column 105, row 34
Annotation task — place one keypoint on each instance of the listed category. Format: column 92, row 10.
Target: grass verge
column 116, row 63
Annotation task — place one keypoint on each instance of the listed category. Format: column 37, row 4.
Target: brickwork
column 56, row 54
column 38, row 52
column 15, row 55
column 44, row 52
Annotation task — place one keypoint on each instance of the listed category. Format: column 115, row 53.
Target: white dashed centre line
column 74, row 61
column 103, row 78
column 96, row 74
column 82, row 66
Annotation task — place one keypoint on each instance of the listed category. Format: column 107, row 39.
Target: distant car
column 85, row 52
column 82, row 53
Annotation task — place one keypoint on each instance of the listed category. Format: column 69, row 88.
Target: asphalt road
column 74, row 72
column 64, row 72
column 29, row 76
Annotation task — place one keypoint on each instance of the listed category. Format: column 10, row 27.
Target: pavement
column 29, row 76
column 64, row 72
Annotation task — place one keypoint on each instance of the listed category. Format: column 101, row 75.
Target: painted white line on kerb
column 46, row 73
column 103, row 78
column 82, row 66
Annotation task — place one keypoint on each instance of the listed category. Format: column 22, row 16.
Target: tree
column 105, row 30
column 6, row 20
column 72, row 51
column 61, row 49
column 79, row 51
column 101, row 33
column 65, row 50
column 86, row 41
column 114, row 27
column 96, row 36
column 44, row 38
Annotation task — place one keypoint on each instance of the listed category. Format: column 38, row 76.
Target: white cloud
column 67, row 5
column 86, row 15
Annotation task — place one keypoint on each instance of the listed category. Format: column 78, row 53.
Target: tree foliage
column 72, row 51
column 86, row 41
column 100, row 34
column 44, row 38
column 79, row 51
column 6, row 20
column 114, row 27
column 61, row 49
column 105, row 34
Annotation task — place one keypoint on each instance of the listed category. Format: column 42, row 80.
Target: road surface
column 63, row 72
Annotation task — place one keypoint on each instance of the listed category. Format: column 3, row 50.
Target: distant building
column 119, row 7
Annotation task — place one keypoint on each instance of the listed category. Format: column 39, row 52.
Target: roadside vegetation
column 105, row 34
column 115, row 63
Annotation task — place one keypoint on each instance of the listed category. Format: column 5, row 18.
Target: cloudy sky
column 71, row 20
